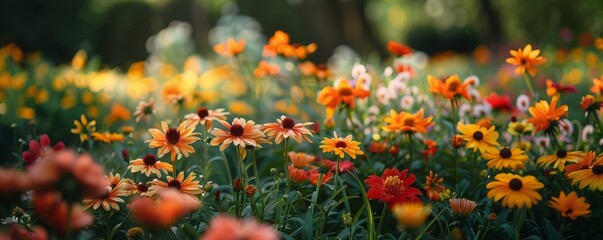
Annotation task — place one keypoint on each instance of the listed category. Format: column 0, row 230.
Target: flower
column 13, row 182
column 331, row 97
column 205, row 116
column 320, row 71
column 174, row 140
column 145, row 110
column 590, row 173
column 107, row 137
column 597, row 87
column 285, row 128
column 450, row 88
column 479, row 138
column 407, row 122
column 589, row 104
column 461, row 207
column 241, row 133
column 393, row 187
column 300, row 160
column 497, row 102
column 555, row 89
column 520, row 128
column 433, row 187
column 165, row 211
column 51, row 208
column 313, row 174
column 279, row 44
column 523, row 103
column 341, row 146
column 266, row 69
column 411, row 214
column 505, row 158
column 570, row 205
column 296, row 174
column 230, row 47
column 111, row 199
column 560, row 158
column 515, row 190
column 118, row 113
column 227, row 228
column 188, row 186
column 543, row 114
column 40, row 151
column 83, row 127
column 526, row 59
column 150, row 164
column 398, row 49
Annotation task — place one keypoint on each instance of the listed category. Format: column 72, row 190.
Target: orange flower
column 313, row 175
column 450, row 88
column 461, row 207
column 165, row 211
column 300, row 160
column 230, row 47
column 54, row 211
column 296, row 174
column 13, row 182
column 176, row 141
column 227, row 228
column 107, row 137
column 205, row 116
column 266, row 69
column 341, row 146
column 570, row 205
column 118, row 113
column 543, row 114
column 279, row 44
column 590, row 173
column 188, row 186
column 111, row 199
column 287, row 128
column 597, row 87
column 398, row 49
column 320, row 71
column 149, row 164
column 145, row 109
column 526, row 59
column 241, row 133
column 407, row 122
column 331, row 97
column 433, row 187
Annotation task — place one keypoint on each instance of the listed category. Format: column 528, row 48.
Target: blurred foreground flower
column 52, row 209
column 411, row 215
column 228, row 228
column 165, row 211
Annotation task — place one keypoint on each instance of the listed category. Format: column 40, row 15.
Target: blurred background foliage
column 118, row 30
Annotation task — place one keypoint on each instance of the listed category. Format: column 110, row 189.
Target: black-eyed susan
column 341, row 146
column 505, row 158
column 479, row 138
column 407, row 122
column 570, row 205
column 189, row 186
column 173, row 140
column 145, row 109
column 450, row 88
column 285, row 128
column 111, row 199
column 545, row 117
column 520, row 128
column 515, row 190
column 84, row 128
column 560, row 158
column 590, row 173
column 150, row 164
column 526, row 59
column 205, row 116
column 411, row 214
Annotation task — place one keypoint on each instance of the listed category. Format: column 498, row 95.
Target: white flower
column 388, row 71
column 358, row 69
column 475, row 95
column 542, row 141
column 586, row 132
column 481, row 110
column 464, row 110
column 10, row 220
column 473, row 78
column 523, row 103
column 383, row 95
column 407, row 102
column 566, row 127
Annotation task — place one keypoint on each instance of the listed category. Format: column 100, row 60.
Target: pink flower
column 39, row 151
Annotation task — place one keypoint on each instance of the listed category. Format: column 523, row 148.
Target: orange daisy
column 515, row 190
column 174, row 140
column 450, row 88
column 407, row 122
column 433, row 187
column 266, row 69
column 287, row 128
column 526, row 59
column 543, row 114
column 230, row 47
column 570, row 205
column 341, row 146
column 241, row 133
column 597, row 87
column 205, row 116
column 590, row 173
column 111, row 199
column 188, row 186
column 300, row 160
column 331, row 97
column 150, row 164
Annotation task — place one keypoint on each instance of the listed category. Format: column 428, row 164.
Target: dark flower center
column 505, row 153
column 340, row 144
column 409, row 122
column 148, row 110
column 141, row 187
column 202, row 113
column 598, row 169
column 569, row 211
column 478, row 136
column 172, row 135
column 288, row 123
column 453, row 86
column 561, row 153
column 515, row 184
column 237, row 130
column 346, row 91
column 175, row 184
column 149, row 159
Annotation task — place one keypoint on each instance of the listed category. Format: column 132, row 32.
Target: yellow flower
column 560, row 158
column 107, row 137
column 411, row 214
column 479, row 138
column 84, row 128
column 515, row 190
column 341, row 146
column 506, row 158
column 520, row 128
column 526, row 59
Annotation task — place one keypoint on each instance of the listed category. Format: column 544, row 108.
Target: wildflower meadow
column 255, row 141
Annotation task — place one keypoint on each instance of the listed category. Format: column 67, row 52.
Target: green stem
column 286, row 159
column 227, row 166
column 335, row 185
column 106, row 215
column 242, row 169
column 369, row 212
column 205, row 153
column 453, row 104
column 529, row 84
column 259, row 185
column 383, row 215
column 411, row 147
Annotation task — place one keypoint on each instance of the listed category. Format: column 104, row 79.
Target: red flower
column 499, row 102
column 393, row 187
column 40, row 150
column 398, row 49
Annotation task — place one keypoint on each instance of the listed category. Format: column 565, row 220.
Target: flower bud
column 250, row 190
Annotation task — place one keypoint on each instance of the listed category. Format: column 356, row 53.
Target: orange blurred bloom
column 450, row 88
column 526, row 59
column 543, row 114
column 331, row 97
column 398, row 49
column 296, row 174
column 51, row 208
column 300, row 160
column 407, row 123
column 555, row 89
column 279, row 44
column 165, row 211
column 13, row 182
column 266, row 69
column 118, row 113
column 320, row 71
column 597, row 87
column 174, row 140
column 230, row 47
column 108, row 137
column 228, row 228
column 313, row 174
